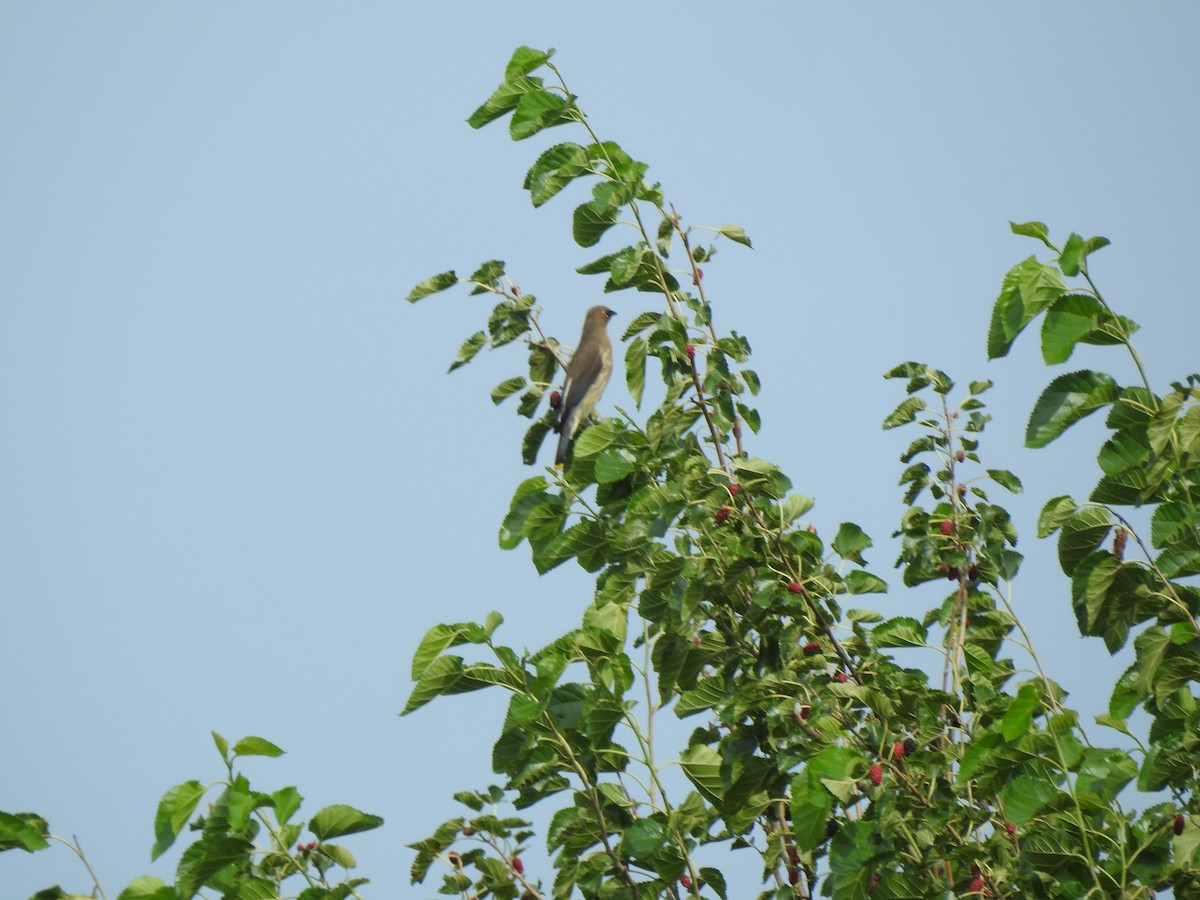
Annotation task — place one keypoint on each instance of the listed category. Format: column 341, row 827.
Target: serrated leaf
column 554, row 170
column 206, row 858
column 503, row 100
column 469, row 349
column 850, row 541
column 1128, row 488
column 1080, row 319
column 524, row 60
column 432, row 285
column 507, row 388
column 256, row 746
column 1125, row 449
column 640, row 323
column 1024, row 795
column 1056, row 511
column 339, row 819
column 1065, row 401
column 487, row 276
column 904, row 413
column 635, row 369
column 662, row 240
column 713, row 878
column 794, row 506
column 1173, row 521
column 285, row 802
column 735, row 233
column 530, row 445
column 1071, row 255
column 1033, row 229
column 1082, row 533
column 902, row 631
column 595, row 438
column 174, row 810
column 750, row 416
column 589, row 224
column 612, row 465
column 1006, row 480
column 859, row 582
column 1019, row 715
column 440, row 638
column 1028, row 288
column 536, row 110
column 25, row 830
column 643, row 836
column 147, row 887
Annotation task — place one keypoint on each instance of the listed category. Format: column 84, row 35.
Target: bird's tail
column 564, row 441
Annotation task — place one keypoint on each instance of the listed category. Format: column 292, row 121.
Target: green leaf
column 1027, row 289
column 1080, row 318
column 1065, row 401
column 1173, row 521
column 470, row 347
column 1128, row 488
column 1024, row 795
column 713, row 878
column 1019, row 716
column 335, row 821
column 524, row 60
column 612, row 465
column 1082, row 533
column 147, row 887
column 836, row 769
column 1006, row 480
column 859, row 582
column 635, row 369
column 205, row 858
column 503, row 100
column 596, row 438
column 903, row 631
column 555, row 169
column 174, row 810
column 810, row 807
column 1056, row 511
column 507, row 388
column 735, row 233
column 794, row 506
column 904, row 413
column 589, row 224
column 1034, row 230
column 531, row 444
column 530, row 495
column 1090, row 583
column 432, row 286
column 643, row 837
column 702, row 765
column 256, row 746
column 1124, row 450
column 440, row 638
column 27, row 831
column 850, row 542
column 536, row 110
column 487, row 276
column 286, row 801
column 1071, row 256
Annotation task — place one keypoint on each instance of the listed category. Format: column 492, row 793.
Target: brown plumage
column 587, row 376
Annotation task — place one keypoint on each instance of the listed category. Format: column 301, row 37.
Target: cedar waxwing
column 587, row 375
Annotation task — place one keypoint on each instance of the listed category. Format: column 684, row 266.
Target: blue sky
column 236, row 483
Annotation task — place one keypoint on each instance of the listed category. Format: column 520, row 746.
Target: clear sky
column 236, row 484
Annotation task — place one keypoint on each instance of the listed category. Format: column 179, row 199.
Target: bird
column 587, row 376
